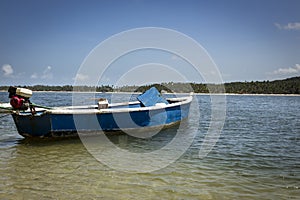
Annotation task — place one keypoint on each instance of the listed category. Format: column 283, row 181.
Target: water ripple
column 256, row 157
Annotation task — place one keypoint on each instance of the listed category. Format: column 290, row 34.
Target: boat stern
column 32, row 125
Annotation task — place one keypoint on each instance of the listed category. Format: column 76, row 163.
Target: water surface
column 256, row 157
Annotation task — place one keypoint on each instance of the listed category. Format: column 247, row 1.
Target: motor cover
column 19, row 103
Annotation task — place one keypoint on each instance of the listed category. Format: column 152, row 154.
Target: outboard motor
column 19, row 98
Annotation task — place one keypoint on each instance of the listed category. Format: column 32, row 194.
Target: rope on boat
column 39, row 106
column 10, row 110
column 5, row 108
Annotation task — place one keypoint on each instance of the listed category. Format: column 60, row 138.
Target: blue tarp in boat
column 151, row 97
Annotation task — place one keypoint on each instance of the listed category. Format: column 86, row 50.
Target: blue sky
column 45, row 42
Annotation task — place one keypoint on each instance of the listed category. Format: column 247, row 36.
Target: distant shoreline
column 183, row 93
column 289, row 86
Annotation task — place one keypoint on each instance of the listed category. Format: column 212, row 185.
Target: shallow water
column 256, row 157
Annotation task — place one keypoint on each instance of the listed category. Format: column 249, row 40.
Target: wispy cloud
column 288, row 71
column 47, row 74
column 81, row 77
column 34, row 76
column 175, row 57
column 289, row 26
column 7, row 70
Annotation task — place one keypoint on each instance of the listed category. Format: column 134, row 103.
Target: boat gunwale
column 93, row 110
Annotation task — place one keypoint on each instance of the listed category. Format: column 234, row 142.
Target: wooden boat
column 150, row 110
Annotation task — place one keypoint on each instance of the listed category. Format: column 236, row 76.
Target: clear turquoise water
column 256, row 157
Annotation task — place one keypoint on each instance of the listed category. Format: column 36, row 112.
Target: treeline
column 103, row 88
column 286, row 86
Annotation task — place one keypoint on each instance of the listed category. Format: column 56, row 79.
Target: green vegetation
column 103, row 88
column 286, row 86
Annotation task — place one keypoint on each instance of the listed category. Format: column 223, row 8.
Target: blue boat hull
column 51, row 124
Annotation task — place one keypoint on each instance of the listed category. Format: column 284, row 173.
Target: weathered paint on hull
column 49, row 124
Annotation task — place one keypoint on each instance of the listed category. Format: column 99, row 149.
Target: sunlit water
column 256, row 157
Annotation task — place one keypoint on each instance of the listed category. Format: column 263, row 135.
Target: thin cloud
column 174, row 57
column 34, row 76
column 81, row 77
column 7, row 70
column 288, row 71
column 47, row 74
column 289, row 26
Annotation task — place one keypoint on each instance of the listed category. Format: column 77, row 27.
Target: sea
column 255, row 156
